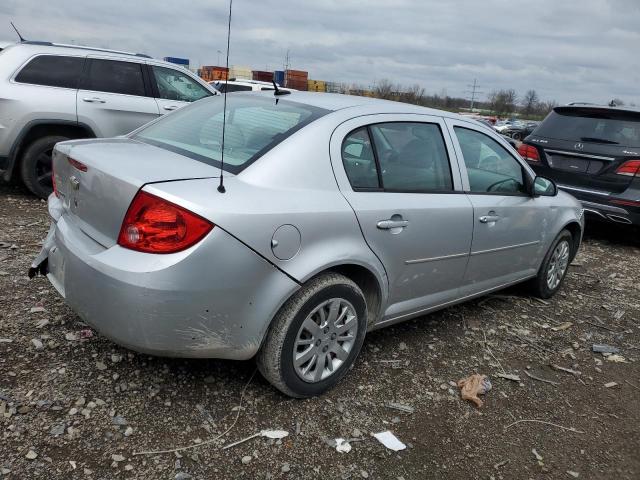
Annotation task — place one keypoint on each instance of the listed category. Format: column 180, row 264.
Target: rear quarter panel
column 293, row 184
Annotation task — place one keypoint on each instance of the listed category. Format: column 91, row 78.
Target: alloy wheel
column 558, row 264
column 325, row 339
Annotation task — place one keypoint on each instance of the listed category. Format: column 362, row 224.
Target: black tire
column 35, row 167
column 517, row 136
column 276, row 357
column 539, row 285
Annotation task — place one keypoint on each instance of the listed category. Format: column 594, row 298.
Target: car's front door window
column 174, row 85
column 490, row 167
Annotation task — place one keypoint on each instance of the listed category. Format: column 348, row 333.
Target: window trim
column 526, row 173
column 374, row 148
column 87, row 68
column 33, row 57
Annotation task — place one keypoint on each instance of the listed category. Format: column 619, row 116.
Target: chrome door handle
column 170, row 107
column 489, row 218
column 93, row 100
column 389, row 224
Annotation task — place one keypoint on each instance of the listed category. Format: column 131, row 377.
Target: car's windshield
column 591, row 125
column 254, row 125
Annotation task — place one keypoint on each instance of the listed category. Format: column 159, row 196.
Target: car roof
column 337, row 101
column 49, row 47
column 583, row 105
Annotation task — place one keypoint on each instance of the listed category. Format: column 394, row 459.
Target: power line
column 474, row 92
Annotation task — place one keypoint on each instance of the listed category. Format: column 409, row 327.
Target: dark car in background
column 593, row 152
column 520, row 130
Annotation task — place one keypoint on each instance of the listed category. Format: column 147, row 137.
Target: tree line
column 505, row 102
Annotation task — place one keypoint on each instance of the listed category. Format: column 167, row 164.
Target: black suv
column 593, row 152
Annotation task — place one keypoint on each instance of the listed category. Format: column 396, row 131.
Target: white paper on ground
column 342, row 445
column 390, row 441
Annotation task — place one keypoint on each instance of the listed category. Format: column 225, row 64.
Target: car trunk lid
column 97, row 180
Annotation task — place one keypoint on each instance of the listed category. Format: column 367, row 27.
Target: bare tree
column 530, row 102
column 414, row 95
column 384, row 89
column 503, row 101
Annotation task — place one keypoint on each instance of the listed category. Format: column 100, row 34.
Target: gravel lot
column 77, row 406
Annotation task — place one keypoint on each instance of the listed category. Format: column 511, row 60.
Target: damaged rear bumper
column 189, row 304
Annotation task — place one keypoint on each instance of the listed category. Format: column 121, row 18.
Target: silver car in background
column 341, row 215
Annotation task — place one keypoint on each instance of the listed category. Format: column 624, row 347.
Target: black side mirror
column 543, row 187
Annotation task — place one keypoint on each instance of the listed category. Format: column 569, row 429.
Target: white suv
column 50, row 93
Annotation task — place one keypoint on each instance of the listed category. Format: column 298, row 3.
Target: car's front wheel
column 315, row 337
column 554, row 266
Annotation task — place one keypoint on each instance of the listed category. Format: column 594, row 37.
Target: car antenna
column 278, row 91
column 19, row 36
column 221, row 188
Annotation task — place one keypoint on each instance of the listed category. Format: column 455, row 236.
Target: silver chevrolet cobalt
column 340, row 215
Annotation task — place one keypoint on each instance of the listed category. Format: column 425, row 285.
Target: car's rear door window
column 398, row 157
column 490, row 168
column 52, row 71
column 359, row 161
column 254, row 125
column 113, row 76
column 175, row 85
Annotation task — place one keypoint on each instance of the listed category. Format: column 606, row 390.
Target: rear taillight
column 53, row 179
column 529, row 153
column 154, row 225
column 629, row 168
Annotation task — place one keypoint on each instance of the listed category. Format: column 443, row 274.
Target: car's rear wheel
column 517, row 136
column 35, row 168
column 554, row 266
column 315, row 337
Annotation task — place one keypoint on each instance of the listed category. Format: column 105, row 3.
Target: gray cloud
column 571, row 50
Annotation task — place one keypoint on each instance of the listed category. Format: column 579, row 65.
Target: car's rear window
column 254, row 125
column 592, row 125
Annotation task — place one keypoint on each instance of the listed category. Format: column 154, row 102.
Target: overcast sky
column 568, row 50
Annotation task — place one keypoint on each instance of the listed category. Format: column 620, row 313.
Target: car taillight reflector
column 629, row 168
column 53, row 179
column 627, row 203
column 529, row 152
column 155, row 225
column 76, row 164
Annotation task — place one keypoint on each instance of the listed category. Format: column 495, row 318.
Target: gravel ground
column 74, row 405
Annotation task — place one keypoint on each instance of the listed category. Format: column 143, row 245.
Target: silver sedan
column 338, row 215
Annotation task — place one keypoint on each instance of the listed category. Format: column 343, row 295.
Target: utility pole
column 287, row 63
column 474, row 92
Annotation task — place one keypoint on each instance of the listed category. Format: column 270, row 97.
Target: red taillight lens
column 529, row 153
column 76, row 164
column 154, row 225
column 629, row 168
column 53, row 180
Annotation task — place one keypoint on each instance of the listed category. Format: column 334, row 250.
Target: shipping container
column 278, row 76
column 316, row 85
column 334, row 87
column 262, row 76
column 178, row 61
column 240, row 72
column 296, row 79
column 211, row 73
